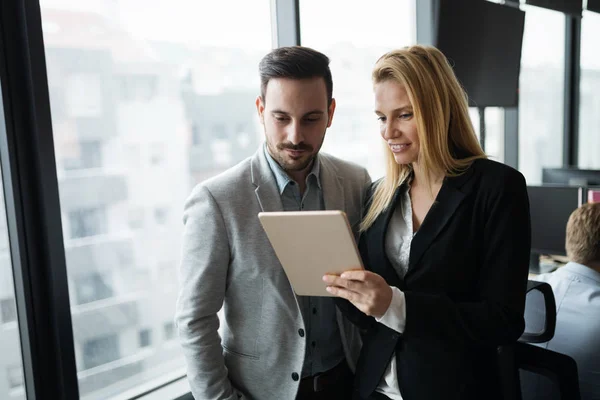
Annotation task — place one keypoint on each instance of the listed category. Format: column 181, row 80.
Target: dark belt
column 319, row 382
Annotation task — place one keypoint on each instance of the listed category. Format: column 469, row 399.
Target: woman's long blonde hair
column 448, row 144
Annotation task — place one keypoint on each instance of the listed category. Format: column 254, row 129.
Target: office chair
column 529, row 372
column 540, row 313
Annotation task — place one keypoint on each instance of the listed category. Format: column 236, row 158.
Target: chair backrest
column 540, row 313
column 529, row 372
column 546, row 374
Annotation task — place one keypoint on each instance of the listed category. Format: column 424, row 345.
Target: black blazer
column 464, row 289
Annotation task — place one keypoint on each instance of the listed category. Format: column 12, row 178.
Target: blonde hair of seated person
column 441, row 111
column 583, row 235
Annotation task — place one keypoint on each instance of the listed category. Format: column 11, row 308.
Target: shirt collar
column 283, row 179
column 581, row 269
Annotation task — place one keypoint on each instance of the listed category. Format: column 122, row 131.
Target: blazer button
column 301, row 332
column 295, row 376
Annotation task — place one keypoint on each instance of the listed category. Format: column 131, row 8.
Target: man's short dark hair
column 295, row 62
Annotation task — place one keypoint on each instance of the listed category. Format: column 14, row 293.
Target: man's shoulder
column 227, row 181
column 568, row 279
column 342, row 167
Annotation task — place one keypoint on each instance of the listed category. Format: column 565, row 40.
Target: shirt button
column 295, row 376
column 314, row 310
column 314, row 344
column 301, row 332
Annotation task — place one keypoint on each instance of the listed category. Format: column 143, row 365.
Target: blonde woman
column 445, row 242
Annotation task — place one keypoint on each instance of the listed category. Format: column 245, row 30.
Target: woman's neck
column 419, row 177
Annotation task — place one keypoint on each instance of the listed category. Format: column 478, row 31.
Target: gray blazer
column 227, row 261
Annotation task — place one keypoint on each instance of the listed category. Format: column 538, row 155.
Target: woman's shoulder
column 495, row 178
column 490, row 171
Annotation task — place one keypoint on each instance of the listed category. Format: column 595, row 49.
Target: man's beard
column 279, row 155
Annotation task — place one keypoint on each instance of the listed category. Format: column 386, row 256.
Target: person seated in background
column 576, row 288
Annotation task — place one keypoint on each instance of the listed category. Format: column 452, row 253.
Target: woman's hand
column 368, row 291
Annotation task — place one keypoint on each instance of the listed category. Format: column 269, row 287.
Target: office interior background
column 114, row 109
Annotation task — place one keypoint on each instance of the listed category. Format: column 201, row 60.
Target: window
column 390, row 24
column 160, row 215
column 494, row 130
column 88, row 156
column 145, row 337
column 136, row 218
column 100, row 351
column 87, row 222
column 14, row 374
column 11, row 371
column 83, row 93
column 8, row 310
column 541, row 88
column 169, row 328
column 196, row 137
column 589, row 104
column 494, row 135
column 92, row 287
column 137, row 87
column 219, row 131
column 133, row 89
column 157, row 153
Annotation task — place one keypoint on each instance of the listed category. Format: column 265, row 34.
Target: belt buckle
column 317, row 387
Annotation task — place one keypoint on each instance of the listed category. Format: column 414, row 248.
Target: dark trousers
column 335, row 384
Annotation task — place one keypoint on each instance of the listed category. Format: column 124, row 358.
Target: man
column 576, row 288
column 273, row 345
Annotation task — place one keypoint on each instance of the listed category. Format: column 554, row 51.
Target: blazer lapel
column 332, row 186
column 446, row 203
column 266, row 186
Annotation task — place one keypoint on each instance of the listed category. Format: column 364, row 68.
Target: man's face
column 295, row 116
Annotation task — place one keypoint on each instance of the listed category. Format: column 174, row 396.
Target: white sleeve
column 395, row 316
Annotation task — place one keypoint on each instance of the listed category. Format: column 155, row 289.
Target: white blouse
column 398, row 240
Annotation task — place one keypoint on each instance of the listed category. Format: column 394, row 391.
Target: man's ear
column 331, row 111
column 260, row 108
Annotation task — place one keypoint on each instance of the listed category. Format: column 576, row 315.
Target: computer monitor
column 550, row 208
column 483, row 41
column 571, row 176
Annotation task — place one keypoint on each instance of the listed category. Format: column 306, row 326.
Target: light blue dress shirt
column 324, row 349
column 577, row 292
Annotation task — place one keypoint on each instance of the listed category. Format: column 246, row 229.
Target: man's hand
column 368, row 291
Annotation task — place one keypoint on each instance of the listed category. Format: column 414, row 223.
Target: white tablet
column 310, row 244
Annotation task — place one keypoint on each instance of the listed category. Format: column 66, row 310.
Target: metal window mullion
column 285, row 23
column 33, row 208
column 571, row 90
column 511, row 137
column 426, row 15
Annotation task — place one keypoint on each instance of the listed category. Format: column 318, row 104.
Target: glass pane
column 11, row 364
column 541, row 89
column 589, row 118
column 494, row 131
column 363, row 32
column 148, row 99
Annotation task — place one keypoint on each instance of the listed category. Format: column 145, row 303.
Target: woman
column 445, row 242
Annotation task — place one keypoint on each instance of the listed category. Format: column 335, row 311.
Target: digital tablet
column 310, row 244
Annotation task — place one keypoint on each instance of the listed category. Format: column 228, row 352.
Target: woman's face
column 398, row 126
